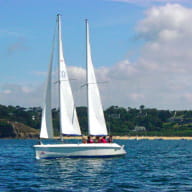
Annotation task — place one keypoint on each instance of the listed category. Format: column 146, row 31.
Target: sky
column 142, row 49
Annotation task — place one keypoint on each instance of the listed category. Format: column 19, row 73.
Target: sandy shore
column 152, row 137
column 141, row 137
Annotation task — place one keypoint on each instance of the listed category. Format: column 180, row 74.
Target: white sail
column 46, row 120
column 68, row 117
column 69, row 122
column 96, row 120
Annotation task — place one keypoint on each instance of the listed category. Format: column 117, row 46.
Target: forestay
column 46, row 120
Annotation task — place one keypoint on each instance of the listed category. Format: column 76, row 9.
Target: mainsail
column 96, row 120
column 68, row 117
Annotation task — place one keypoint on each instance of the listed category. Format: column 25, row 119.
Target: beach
column 152, row 137
column 139, row 138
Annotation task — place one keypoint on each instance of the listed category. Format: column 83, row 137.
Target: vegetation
column 119, row 120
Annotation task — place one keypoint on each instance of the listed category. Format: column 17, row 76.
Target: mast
column 59, row 68
column 87, row 39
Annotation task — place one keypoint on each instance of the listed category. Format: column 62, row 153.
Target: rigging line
column 64, row 80
column 93, row 83
column 53, row 54
column 52, row 50
column 53, row 46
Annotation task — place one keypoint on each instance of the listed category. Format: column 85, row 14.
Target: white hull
column 94, row 150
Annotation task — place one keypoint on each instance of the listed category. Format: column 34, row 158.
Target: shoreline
column 141, row 137
column 153, row 137
column 119, row 137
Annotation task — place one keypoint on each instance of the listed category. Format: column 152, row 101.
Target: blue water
column 148, row 166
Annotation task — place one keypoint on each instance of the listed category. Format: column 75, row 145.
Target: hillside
column 9, row 129
column 120, row 121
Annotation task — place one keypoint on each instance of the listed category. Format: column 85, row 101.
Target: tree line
column 119, row 120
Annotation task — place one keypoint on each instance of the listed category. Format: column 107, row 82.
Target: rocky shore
column 9, row 129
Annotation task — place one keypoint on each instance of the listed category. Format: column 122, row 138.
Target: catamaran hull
column 78, row 150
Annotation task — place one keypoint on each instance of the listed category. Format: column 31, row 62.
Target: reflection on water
column 70, row 173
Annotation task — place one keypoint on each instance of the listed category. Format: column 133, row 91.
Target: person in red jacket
column 103, row 140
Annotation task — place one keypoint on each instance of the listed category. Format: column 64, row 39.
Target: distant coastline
column 141, row 138
column 152, row 137
column 17, row 122
column 114, row 137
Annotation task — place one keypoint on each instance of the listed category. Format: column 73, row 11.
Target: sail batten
column 96, row 120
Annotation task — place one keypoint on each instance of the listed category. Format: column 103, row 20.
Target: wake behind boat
column 69, row 124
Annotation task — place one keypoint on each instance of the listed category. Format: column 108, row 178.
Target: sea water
column 157, row 165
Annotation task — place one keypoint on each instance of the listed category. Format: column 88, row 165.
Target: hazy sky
column 141, row 48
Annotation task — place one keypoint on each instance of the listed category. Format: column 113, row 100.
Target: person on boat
column 103, row 140
column 110, row 139
column 84, row 140
column 89, row 139
column 40, row 143
column 97, row 139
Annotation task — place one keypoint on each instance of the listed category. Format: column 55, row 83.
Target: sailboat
column 69, row 124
